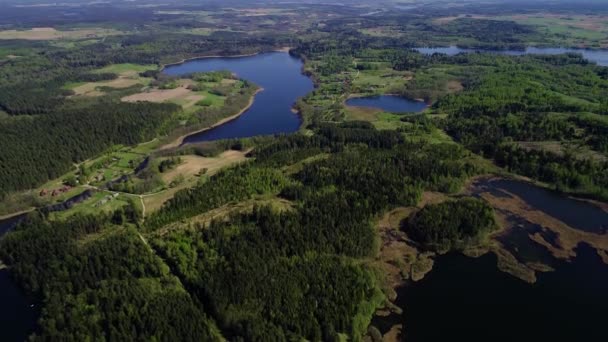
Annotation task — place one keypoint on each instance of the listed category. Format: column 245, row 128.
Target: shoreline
column 283, row 49
column 12, row 215
column 180, row 140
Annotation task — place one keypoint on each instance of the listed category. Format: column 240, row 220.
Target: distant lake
column 388, row 103
column 598, row 56
column 279, row 73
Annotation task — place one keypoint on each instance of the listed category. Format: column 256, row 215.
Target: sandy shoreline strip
column 177, row 142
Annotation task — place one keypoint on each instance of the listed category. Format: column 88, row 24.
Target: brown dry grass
column 563, row 247
column 362, row 113
column 454, row 86
column 90, row 89
column 567, row 237
column 191, row 165
column 159, row 95
column 398, row 258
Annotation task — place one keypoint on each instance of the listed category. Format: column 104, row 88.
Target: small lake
column 17, row 318
column 279, row 73
column 598, row 56
column 388, row 103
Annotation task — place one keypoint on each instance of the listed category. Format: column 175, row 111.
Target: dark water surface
column 467, row 299
column 577, row 214
column 598, row 56
column 10, row 223
column 470, row 299
column 281, row 77
column 388, row 103
column 17, row 317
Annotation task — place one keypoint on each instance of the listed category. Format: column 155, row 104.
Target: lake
column 17, row 317
column 598, row 56
column 575, row 213
column 388, row 103
column 279, row 73
column 470, row 299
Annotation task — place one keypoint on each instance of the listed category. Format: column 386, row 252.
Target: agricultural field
column 50, row 33
column 192, row 94
column 128, row 75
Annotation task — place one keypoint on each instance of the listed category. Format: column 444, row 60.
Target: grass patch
column 126, row 68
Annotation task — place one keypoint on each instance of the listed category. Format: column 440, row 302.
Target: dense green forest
column 534, row 98
column 245, row 269
column 100, row 281
column 46, row 147
column 504, row 103
column 452, row 224
column 269, row 252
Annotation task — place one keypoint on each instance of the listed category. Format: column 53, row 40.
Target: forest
column 243, row 270
column 452, row 224
column 109, row 288
column 284, row 243
column 48, row 146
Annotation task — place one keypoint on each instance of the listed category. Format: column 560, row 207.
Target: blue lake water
column 271, row 113
column 598, row 56
column 388, row 103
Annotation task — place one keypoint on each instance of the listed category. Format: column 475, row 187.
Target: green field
column 126, row 68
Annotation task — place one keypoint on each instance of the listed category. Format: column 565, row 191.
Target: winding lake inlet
column 278, row 73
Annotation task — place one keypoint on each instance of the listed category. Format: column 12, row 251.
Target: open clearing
column 128, row 76
column 159, row 95
column 49, row 33
column 191, row 166
column 90, row 88
column 180, row 95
